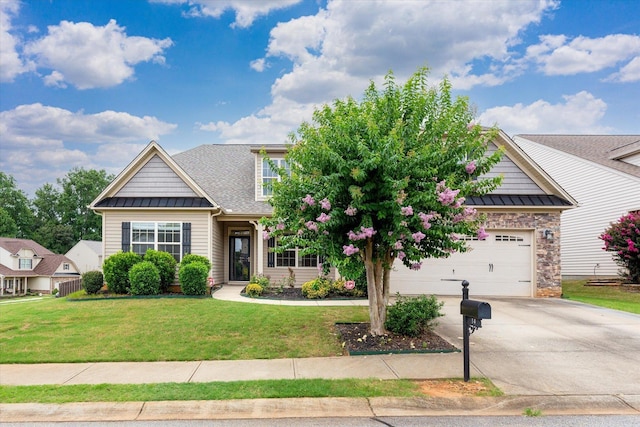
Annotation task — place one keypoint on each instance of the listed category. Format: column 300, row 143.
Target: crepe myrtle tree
column 383, row 178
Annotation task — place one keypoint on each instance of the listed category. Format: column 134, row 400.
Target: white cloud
column 555, row 55
column 246, row 11
column 42, row 143
column 627, row 74
column 89, row 56
column 12, row 64
column 578, row 114
column 258, row 65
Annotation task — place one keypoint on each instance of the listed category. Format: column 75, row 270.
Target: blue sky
column 90, row 83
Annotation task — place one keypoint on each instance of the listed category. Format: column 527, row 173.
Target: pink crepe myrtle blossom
column 265, row 235
column 459, row 202
column 482, row 234
column 447, row 196
column 398, row 245
column 349, row 284
column 401, row 255
column 280, row 226
column 350, row 211
column 470, row 167
column 350, row 250
column 418, row 236
column 416, row 266
column 323, row 218
column 364, row 233
column 406, row 210
column 309, row 200
column 325, row 204
column 311, row 225
column 425, row 219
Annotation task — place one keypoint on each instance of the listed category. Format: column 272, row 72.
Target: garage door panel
column 499, row 265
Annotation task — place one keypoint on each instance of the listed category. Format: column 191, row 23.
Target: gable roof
column 47, row 265
column 606, row 150
column 154, row 163
column 13, row 246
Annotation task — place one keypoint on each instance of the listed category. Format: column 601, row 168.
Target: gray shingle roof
column 226, row 172
column 601, row 149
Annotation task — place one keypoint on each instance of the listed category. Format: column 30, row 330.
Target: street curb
column 319, row 407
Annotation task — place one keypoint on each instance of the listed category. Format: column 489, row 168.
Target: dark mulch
column 357, row 339
column 295, row 294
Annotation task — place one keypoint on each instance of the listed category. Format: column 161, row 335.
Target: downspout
column 259, row 246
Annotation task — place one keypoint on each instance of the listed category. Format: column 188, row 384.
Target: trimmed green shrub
column 116, row 271
column 193, row 278
column 253, row 290
column 92, row 281
column 413, row 316
column 316, row 288
column 261, row 280
column 191, row 258
column 144, row 278
column 166, row 265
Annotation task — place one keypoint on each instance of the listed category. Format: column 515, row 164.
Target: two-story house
column 27, row 266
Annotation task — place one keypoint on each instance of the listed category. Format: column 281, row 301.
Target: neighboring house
column 87, row 255
column 209, row 200
column 603, row 173
column 27, row 266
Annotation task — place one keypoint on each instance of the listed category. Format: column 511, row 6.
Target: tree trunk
column 378, row 273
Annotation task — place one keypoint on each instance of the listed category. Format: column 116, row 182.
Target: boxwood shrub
column 193, row 278
column 144, row 278
column 166, row 265
column 116, row 271
column 191, row 258
column 412, row 316
column 92, row 281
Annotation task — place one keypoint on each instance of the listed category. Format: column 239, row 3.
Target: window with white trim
column 25, row 264
column 160, row 236
column 269, row 175
column 294, row 258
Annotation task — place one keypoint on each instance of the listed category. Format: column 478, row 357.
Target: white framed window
column 25, row 264
column 65, row 266
column 269, row 175
column 160, row 236
column 294, row 258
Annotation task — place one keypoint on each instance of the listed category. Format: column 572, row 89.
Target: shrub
column 191, row 258
column 144, row 278
column 413, row 316
column 116, row 271
column 261, row 280
column 193, row 278
column 316, row 288
column 92, row 281
column 623, row 239
column 166, row 265
column 253, row 290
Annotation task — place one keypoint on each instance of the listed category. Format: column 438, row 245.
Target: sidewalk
column 384, row 367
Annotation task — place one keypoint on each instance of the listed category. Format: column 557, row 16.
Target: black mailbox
column 475, row 309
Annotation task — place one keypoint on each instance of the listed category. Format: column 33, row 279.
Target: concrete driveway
column 551, row 346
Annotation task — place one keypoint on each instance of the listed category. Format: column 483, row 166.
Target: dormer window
column 25, row 264
column 269, row 175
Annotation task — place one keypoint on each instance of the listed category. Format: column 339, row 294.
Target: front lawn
column 604, row 296
column 58, row 330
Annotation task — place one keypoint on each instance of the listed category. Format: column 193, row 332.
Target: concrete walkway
column 539, row 352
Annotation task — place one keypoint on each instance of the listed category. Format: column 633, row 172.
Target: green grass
column 163, row 329
column 208, row 391
column 604, row 296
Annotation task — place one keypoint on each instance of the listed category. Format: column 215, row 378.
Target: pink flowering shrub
column 623, row 239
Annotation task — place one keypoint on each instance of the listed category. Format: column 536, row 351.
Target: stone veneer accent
column 547, row 257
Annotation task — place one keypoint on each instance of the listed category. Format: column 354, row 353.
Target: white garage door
column 497, row 266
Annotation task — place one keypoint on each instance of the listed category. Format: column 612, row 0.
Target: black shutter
column 126, row 236
column 186, row 238
column 271, row 256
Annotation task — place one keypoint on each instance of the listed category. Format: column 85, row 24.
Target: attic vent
column 506, row 238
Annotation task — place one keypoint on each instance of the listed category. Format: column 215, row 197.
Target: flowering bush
column 623, row 239
column 316, row 288
column 253, row 290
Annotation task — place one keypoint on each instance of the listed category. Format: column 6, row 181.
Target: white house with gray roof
column 208, row 201
column 87, row 255
column 602, row 172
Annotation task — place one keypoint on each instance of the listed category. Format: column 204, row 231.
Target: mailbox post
column 472, row 314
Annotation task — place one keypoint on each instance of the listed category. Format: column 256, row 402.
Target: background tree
column 384, row 178
column 8, row 227
column 79, row 188
column 17, row 206
column 50, row 232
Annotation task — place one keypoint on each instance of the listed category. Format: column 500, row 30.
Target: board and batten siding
column 603, row 196
column 514, row 181
column 156, row 179
column 113, row 220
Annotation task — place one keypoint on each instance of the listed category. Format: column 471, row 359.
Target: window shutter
column 271, row 256
column 126, row 236
column 186, row 238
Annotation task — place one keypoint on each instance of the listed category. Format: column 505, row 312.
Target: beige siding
column 112, row 233
column 156, row 179
column 276, row 274
column 217, row 250
column 514, row 181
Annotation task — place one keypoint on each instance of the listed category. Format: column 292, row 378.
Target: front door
column 239, row 257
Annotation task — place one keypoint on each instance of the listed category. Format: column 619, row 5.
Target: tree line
column 58, row 216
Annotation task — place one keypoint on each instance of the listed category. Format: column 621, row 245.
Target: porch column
column 259, row 247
